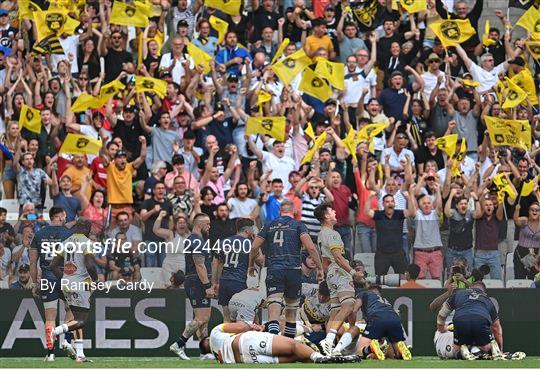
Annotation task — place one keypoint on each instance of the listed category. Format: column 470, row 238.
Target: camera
column 480, row 273
column 388, row 280
column 457, row 270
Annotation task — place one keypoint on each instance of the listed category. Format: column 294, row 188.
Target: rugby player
column 476, row 322
column 230, row 265
column 42, row 248
column 243, row 305
column 382, row 322
column 315, row 312
column 283, row 239
column 79, row 272
column 197, row 283
column 236, row 343
column 339, row 274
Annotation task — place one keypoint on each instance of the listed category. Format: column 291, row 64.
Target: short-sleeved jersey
column 472, row 302
column 43, row 242
column 328, row 240
column 282, row 243
column 375, row 306
column 252, row 298
column 77, row 246
column 195, row 246
column 235, row 256
column 221, row 345
column 316, row 312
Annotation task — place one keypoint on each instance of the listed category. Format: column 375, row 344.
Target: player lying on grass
column 243, row 343
column 79, row 271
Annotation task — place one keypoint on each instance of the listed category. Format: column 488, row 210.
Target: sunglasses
column 535, row 210
column 433, row 61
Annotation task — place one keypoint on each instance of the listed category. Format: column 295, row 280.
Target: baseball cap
column 233, row 77
column 182, row 23
column 120, row 153
column 433, row 56
column 330, row 7
column 219, row 107
column 396, row 73
column 130, row 108
column 467, row 75
column 24, row 267
column 324, row 150
column 330, row 102
column 3, row 12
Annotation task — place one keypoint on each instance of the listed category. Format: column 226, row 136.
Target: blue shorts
column 472, row 331
column 288, row 282
column 228, row 288
column 51, row 295
column 388, row 328
column 196, row 293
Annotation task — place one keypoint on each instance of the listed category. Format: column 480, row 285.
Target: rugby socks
column 315, row 355
column 331, row 336
column 344, row 342
column 290, row 329
column 181, row 341
column 61, row 329
column 78, row 346
column 273, row 327
column 68, row 337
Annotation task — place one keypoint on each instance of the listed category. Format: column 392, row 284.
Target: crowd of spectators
column 164, row 160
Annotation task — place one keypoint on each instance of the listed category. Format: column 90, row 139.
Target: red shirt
column 363, row 195
column 99, row 174
column 341, row 203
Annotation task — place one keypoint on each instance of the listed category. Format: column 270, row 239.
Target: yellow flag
column 263, row 97
column 54, row 22
column 514, row 95
column 231, row 7
column 315, row 86
column 143, row 84
column 414, row 6
column 380, row 171
column 503, row 186
column 26, row 8
column 319, row 142
column 534, row 49
column 470, row 83
column 109, row 90
column 85, row 101
column 30, row 118
column 447, row 144
column 219, row 25
column 368, row 132
column 506, row 132
column 288, row 68
column 530, row 20
column 455, row 171
column 129, row 15
column 525, row 81
column 351, row 143
column 80, row 144
column 280, row 50
column 499, row 88
column 271, row 126
column 200, row 57
column 333, row 72
column 486, row 41
column 452, row 32
column 527, row 188
column 308, row 130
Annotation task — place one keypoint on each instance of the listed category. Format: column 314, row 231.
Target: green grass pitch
column 171, row 362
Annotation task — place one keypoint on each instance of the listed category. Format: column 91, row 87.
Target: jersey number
column 278, row 238
column 231, row 259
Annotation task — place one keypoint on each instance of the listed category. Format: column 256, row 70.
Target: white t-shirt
column 241, row 209
column 430, row 80
column 281, row 167
column 178, row 71
column 395, row 158
column 4, row 262
column 353, row 89
column 70, row 45
column 487, row 79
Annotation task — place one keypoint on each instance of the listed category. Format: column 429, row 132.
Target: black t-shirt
column 149, row 205
column 262, row 19
column 113, row 63
column 423, row 155
column 221, row 159
column 209, row 210
column 389, row 231
column 129, row 133
column 240, row 28
column 290, row 29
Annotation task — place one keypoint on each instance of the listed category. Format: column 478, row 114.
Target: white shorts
column 339, row 281
column 239, row 311
column 444, row 344
column 256, row 348
column 79, row 298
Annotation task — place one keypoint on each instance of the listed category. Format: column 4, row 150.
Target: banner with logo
column 506, row 132
column 30, row 118
column 141, row 323
column 81, row 144
column 452, row 32
column 369, row 14
column 271, row 126
column 150, row 84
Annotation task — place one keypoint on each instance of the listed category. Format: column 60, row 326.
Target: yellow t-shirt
column 77, row 175
column 313, row 43
column 119, row 184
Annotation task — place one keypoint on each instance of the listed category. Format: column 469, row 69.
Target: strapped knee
column 292, row 305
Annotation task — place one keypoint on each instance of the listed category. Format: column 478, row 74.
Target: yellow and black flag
column 219, row 25
column 288, row 68
column 80, row 144
column 506, row 132
column 317, row 144
column 534, row 49
column 414, row 6
column 514, row 95
column 333, row 72
column 30, row 119
column 315, row 86
column 530, row 20
column 522, row 4
column 447, row 144
column 49, row 45
column 85, row 101
column 369, row 14
column 503, row 186
column 27, row 8
column 54, row 22
column 271, row 126
column 452, row 32
column 280, row 50
column 525, row 81
column 231, row 7
column 143, row 84
column 129, row 15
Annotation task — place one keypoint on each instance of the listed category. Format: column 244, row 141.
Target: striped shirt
column 308, row 206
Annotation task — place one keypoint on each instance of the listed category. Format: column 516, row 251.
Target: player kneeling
column 236, row 343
